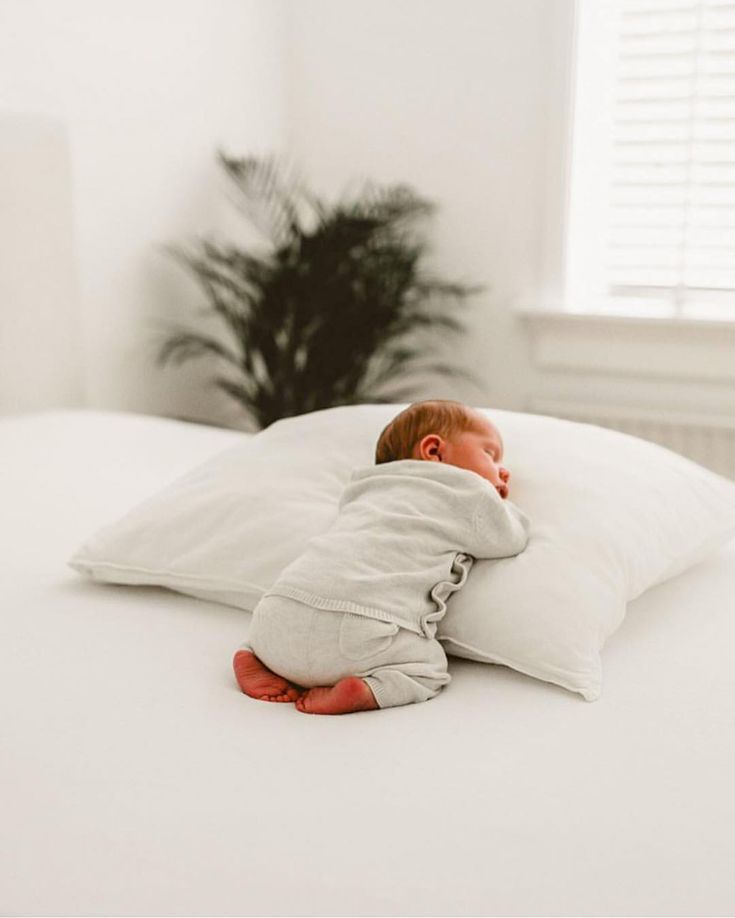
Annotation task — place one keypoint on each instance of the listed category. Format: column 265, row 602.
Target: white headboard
column 40, row 344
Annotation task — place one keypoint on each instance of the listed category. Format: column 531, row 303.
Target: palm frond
column 336, row 309
column 271, row 203
column 183, row 345
column 414, row 321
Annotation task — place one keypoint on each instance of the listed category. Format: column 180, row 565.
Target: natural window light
column 651, row 226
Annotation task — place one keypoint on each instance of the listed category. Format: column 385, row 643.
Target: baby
column 350, row 625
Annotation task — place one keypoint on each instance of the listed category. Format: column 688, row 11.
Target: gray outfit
column 318, row 647
column 365, row 597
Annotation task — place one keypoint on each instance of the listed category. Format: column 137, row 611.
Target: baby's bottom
column 313, row 647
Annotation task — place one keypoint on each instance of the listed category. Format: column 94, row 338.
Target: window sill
column 638, row 346
column 559, row 316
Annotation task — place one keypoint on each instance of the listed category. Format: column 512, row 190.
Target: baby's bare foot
column 348, row 695
column 257, row 681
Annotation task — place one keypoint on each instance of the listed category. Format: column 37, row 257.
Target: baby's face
column 479, row 450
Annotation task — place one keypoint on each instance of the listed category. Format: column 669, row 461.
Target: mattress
column 137, row 780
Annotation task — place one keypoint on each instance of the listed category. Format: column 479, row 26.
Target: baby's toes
column 280, row 698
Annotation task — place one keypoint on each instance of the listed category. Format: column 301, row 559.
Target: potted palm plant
column 334, row 309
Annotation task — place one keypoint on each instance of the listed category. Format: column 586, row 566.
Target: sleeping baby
column 350, row 625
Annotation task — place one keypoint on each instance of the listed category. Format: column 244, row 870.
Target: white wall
column 461, row 98
column 465, row 100
column 145, row 91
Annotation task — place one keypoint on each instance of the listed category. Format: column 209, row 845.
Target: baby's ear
column 430, row 448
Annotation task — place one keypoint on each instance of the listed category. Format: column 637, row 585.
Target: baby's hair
column 410, row 426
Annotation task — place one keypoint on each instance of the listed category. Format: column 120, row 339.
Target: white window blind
column 652, row 207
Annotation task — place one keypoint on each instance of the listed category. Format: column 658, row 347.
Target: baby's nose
column 504, row 474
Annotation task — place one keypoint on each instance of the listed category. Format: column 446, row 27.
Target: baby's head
column 446, row 431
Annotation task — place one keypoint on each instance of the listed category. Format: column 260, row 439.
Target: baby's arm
column 499, row 528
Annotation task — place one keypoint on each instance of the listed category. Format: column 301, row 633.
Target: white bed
column 137, row 780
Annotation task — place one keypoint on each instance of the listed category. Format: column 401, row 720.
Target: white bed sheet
column 137, row 780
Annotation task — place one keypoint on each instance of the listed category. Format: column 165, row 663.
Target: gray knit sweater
column 404, row 540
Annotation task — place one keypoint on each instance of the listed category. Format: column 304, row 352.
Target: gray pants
column 313, row 647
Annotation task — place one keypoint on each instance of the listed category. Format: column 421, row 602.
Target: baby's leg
column 390, row 666
column 408, row 683
column 346, row 697
column 257, row 681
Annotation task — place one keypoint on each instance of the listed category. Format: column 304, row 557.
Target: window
column 651, row 224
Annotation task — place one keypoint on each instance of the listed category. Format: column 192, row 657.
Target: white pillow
column 611, row 515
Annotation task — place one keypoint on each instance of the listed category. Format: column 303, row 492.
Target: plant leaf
column 184, row 345
column 337, row 307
